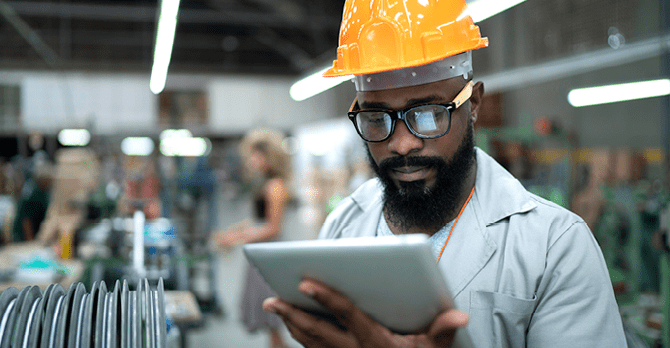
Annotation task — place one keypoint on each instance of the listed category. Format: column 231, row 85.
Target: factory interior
column 113, row 170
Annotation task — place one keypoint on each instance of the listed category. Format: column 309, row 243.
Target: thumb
column 443, row 329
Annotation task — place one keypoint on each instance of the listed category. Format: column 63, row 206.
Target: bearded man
column 523, row 271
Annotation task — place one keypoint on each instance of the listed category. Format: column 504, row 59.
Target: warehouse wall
column 104, row 103
column 632, row 124
column 123, row 103
column 240, row 103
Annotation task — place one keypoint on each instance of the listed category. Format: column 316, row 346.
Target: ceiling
column 280, row 37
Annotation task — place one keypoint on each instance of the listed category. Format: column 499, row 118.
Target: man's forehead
column 399, row 98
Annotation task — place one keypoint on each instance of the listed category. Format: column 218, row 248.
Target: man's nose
column 402, row 142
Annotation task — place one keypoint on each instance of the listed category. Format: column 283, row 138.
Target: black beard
column 414, row 204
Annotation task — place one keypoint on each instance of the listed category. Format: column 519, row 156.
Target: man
column 523, row 271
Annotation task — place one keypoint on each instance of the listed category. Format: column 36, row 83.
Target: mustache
column 410, row 161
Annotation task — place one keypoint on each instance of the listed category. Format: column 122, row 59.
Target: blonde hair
column 270, row 144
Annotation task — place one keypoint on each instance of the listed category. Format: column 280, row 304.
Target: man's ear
column 476, row 100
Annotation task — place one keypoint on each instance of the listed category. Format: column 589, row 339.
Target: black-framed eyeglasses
column 427, row 121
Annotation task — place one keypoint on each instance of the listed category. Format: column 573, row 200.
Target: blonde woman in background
column 268, row 168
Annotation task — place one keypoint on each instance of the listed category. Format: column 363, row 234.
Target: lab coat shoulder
column 546, row 277
column 577, row 304
column 548, row 222
column 357, row 215
column 508, row 210
column 561, row 220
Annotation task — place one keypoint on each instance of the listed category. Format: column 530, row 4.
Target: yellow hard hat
column 383, row 35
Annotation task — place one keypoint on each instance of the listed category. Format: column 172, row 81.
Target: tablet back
column 393, row 279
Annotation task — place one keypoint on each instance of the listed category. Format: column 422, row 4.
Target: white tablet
column 394, row 279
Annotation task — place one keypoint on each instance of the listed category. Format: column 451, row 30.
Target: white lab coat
column 528, row 272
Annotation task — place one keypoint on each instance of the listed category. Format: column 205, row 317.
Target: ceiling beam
column 287, row 9
column 132, row 39
column 148, row 14
column 30, row 35
column 300, row 60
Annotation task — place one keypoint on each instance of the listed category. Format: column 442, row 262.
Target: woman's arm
column 276, row 196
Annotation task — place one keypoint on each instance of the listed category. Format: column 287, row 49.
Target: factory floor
column 227, row 330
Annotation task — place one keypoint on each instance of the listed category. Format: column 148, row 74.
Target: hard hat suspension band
column 460, row 64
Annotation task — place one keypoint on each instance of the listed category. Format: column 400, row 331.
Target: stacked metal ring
column 99, row 319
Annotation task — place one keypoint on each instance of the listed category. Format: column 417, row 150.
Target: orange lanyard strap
column 454, row 225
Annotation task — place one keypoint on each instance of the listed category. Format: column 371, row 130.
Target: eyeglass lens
column 426, row 120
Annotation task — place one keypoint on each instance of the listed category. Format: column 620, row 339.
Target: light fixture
column 137, row 146
column 74, row 137
column 175, row 133
column 167, row 23
column 480, row 10
column 314, row 84
column 185, row 147
column 617, row 93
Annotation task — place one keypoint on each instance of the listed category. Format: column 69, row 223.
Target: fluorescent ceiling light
column 74, row 137
column 616, row 93
column 137, row 146
column 316, row 83
column 480, row 10
column 175, row 133
column 167, row 23
column 185, row 147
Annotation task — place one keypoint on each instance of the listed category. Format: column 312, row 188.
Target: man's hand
column 354, row 329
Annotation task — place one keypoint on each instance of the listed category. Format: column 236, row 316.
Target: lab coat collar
column 497, row 195
column 368, row 197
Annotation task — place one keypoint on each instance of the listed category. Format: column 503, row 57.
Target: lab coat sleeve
column 576, row 305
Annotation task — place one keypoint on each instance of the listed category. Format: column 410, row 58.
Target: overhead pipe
column 48, row 55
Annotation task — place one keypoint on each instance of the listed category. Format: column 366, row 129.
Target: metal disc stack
column 56, row 318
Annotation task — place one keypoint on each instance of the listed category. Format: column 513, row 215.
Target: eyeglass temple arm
column 465, row 94
column 353, row 105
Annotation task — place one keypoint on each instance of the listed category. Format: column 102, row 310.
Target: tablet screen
column 395, row 279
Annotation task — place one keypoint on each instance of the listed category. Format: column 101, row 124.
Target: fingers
column 333, row 301
column 368, row 332
column 358, row 329
column 443, row 328
column 308, row 329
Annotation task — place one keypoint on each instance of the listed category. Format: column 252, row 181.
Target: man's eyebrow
column 374, row 105
column 412, row 102
column 425, row 100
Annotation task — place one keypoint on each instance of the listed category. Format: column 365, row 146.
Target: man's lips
column 410, row 173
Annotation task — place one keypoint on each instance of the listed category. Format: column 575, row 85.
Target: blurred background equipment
column 114, row 317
